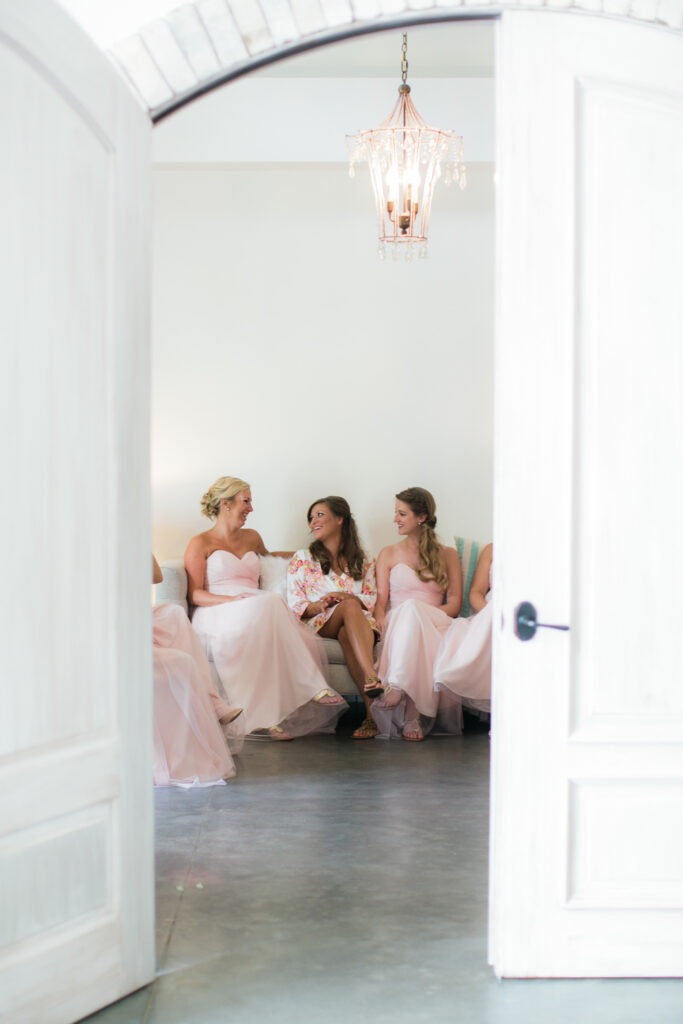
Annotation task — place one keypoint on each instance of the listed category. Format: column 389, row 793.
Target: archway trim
column 204, row 44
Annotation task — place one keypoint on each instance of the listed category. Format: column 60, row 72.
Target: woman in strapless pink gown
column 191, row 720
column 419, row 591
column 463, row 663
column 268, row 663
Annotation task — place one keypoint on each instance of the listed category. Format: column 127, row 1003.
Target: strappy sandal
column 373, row 687
column 412, row 731
column 277, row 733
column 230, row 715
column 391, row 698
column 367, row 730
column 324, row 698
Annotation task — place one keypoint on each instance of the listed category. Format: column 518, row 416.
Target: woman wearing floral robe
column 331, row 587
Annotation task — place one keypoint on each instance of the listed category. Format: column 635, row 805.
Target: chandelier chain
column 404, row 58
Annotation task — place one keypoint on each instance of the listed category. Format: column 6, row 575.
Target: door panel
column 75, row 731
column 587, row 799
column 628, row 423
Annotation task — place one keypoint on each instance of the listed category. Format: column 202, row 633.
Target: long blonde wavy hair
column 223, row 489
column 431, row 565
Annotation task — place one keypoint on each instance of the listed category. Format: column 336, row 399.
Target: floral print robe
column 307, row 583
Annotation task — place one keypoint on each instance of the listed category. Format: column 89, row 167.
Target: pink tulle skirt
column 463, row 662
column 189, row 746
column 406, row 661
column 268, row 663
column 172, row 628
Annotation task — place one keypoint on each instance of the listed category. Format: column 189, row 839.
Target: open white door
column 76, row 851
column 587, row 792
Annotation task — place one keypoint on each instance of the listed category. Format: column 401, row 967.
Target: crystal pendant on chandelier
column 405, row 156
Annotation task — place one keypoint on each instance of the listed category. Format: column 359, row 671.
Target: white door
column 587, row 792
column 76, row 919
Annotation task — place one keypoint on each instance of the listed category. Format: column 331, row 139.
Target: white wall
column 307, row 119
column 286, row 353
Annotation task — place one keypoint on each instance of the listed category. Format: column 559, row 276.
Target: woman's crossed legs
column 349, row 625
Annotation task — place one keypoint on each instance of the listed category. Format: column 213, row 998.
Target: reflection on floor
column 336, row 882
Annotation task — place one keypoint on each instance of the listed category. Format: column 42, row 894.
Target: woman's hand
column 335, row 597
column 381, row 621
column 329, row 601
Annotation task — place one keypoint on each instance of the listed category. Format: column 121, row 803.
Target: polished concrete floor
column 337, row 882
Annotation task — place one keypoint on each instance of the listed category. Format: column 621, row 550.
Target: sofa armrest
column 173, row 588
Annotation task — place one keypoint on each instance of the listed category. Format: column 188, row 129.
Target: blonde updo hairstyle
column 225, row 488
column 432, row 564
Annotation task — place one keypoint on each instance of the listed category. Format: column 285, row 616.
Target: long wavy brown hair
column 432, row 564
column 351, row 556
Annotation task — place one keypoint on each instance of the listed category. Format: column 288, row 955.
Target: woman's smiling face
column 405, row 519
column 324, row 525
column 239, row 507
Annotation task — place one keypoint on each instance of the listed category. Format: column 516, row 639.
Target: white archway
column 256, row 34
column 204, row 44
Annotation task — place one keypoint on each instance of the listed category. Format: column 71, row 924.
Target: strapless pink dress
column 268, row 663
column 414, row 628
column 190, row 748
column 463, row 662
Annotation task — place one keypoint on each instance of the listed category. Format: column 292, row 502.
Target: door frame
column 365, row 28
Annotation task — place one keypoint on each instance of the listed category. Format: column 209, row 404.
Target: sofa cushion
column 468, row 551
column 173, row 588
column 273, row 574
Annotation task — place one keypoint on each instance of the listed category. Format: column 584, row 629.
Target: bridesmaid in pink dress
column 463, row 663
column 267, row 662
column 419, row 592
column 190, row 748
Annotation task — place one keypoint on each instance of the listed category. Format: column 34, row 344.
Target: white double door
column 587, row 790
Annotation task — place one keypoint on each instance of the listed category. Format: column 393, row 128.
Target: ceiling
column 464, row 49
column 109, row 21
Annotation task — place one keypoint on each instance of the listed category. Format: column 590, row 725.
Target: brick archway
column 205, row 43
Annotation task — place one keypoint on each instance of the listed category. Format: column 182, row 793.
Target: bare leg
column 361, row 638
column 354, row 668
column 350, row 627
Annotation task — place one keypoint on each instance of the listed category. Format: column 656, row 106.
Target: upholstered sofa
column 274, row 578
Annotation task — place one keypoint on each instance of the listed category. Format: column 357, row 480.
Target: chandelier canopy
column 405, row 156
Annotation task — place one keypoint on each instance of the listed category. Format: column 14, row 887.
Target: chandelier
column 405, row 156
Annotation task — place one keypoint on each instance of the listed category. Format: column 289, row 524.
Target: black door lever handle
column 526, row 622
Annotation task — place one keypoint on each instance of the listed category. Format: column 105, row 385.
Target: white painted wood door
column 76, row 850
column 587, row 791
